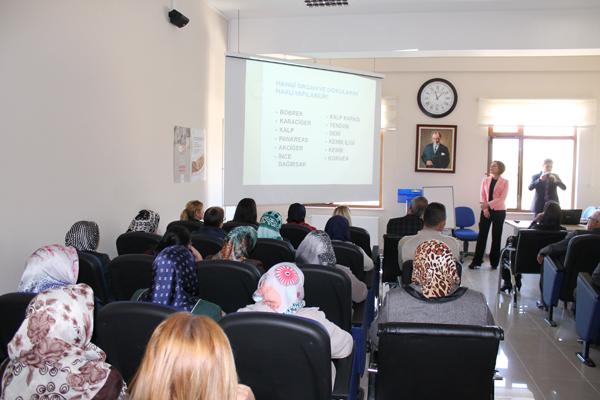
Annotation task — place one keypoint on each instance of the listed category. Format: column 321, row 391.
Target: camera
column 178, row 19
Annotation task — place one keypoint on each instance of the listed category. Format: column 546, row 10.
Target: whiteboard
column 444, row 195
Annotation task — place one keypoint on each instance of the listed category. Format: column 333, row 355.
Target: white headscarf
column 282, row 284
column 49, row 267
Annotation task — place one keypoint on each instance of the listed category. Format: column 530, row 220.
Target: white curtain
column 538, row 112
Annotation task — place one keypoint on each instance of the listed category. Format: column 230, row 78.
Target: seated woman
column 188, row 358
column 343, row 211
column 338, row 228
column 178, row 235
column 213, row 223
column 316, row 249
column 435, row 295
column 281, row 290
column 85, row 237
column 175, row 284
column 51, row 355
column 239, row 243
column 245, row 211
column 270, row 225
column 50, row 267
column 547, row 220
column 145, row 221
column 193, row 211
column 297, row 215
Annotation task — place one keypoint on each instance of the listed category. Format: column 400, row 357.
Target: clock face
column 437, row 98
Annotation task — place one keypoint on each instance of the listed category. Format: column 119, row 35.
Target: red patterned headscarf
column 282, row 284
column 434, row 269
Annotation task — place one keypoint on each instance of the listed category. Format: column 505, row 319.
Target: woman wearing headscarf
column 435, row 295
column 270, row 225
column 297, row 215
column 239, row 243
column 51, row 355
column 316, row 249
column 281, row 290
column 145, row 221
column 338, row 228
column 175, row 284
column 50, row 267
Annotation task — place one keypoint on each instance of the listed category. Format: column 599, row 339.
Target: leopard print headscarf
column 434, row 269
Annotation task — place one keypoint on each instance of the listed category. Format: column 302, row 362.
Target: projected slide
column 307, row 126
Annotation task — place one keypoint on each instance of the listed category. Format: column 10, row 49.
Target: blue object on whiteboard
column 406, row 195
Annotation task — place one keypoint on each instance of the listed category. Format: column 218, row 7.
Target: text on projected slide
column 315, row 127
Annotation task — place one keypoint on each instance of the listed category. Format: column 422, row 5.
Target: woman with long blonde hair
column 193, row 211
column 188, row 357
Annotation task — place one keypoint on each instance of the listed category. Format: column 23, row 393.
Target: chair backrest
column 294, row 233
column 129, row 273
column 90, row 273
column 12, row 310
column 529, row 243
column 329, row 289
column 207, row 245
column 407, row 269
column 272, row 251
column 391, row 269
column 349, row 255
column 229, row 284
column 137, row 243
column 124, row 329
column 583, row 255
column 360, row 237
column 465, row 217
column 281, row 357
column 189, row 225
column 420, row 361
column 229, row 225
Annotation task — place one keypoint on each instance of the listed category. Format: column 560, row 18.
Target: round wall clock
column 437, row 97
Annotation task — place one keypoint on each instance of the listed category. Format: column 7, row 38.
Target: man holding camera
column 545, row 184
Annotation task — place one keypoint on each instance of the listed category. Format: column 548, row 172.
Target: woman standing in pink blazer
column 494, row 189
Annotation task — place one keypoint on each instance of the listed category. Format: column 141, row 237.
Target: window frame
column 520, row 135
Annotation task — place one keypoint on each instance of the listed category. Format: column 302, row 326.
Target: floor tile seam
column 527, row 371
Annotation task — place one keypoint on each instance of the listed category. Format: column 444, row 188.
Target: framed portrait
column 436, row 148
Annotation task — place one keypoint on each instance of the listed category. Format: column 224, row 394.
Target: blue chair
column 587, row 213
column 464, row 219
column 587, row 318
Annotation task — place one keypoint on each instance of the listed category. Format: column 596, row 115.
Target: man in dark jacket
column 545, row 184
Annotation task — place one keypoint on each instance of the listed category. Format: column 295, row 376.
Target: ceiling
column 296, row 8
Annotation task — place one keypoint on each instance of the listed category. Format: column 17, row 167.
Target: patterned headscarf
column 145, row 221
column 434, row 269
column 282, row 284
column 239, row 243
column 175, row 282
column 51, row 355
column 83, row 235
column 296, row 213
column 270, row 225
column 316, row 248
column 338, row 228
column 49, row 267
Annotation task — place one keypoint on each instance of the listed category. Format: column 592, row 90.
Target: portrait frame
column 442, row 160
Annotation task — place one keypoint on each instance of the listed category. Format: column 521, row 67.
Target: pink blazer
column 500, row 191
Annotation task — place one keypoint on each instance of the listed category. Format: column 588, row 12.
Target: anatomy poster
column 188, row 154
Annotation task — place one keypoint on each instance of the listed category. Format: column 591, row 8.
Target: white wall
column 89, row 95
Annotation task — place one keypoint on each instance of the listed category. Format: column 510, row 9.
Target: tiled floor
column 535, row 360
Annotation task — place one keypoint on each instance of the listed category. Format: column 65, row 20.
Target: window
column 523, row 151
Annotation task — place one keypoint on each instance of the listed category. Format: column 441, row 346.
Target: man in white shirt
column 434, row 223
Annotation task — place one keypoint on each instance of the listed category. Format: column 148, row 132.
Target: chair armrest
column 585, row 287
column 343, row 374
column 554, row 264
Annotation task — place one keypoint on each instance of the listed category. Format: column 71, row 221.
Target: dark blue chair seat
column 587, row 318
column 466, row 234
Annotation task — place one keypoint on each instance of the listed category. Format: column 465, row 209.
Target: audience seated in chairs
column 178, row 235
column 434, row 223
column 188, row 358
column 50, row 267
column 213, row 223
column 412, row 222
column 316, row 249
column 175, row 283
column 270, row 225
column 193, row 211
column 338, row 228
column 297, row 215
column 281, row 290
column 238, row 245
column 145, row 221
column 435, row 295
column 52, row 353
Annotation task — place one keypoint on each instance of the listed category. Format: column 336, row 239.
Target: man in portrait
column 435, row 154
